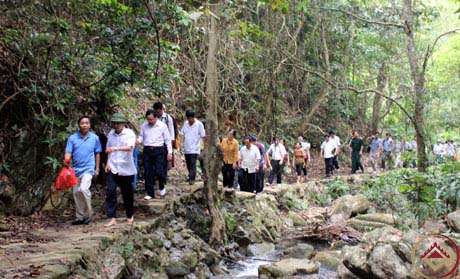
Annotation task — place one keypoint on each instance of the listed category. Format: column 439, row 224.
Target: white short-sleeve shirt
column 122, row 162
column 249, row 158
column 192, row 136
column 328, row 148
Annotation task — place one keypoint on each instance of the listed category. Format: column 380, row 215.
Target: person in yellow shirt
column 230, row 148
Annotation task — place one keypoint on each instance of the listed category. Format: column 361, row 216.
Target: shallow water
column 248, row 267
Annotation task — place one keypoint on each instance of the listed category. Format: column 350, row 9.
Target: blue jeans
column 126, row 185
column 154, row 163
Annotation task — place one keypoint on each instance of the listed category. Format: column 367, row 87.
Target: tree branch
column 157, row 32
column 429, row 49
column 361, row 18
column 357, row 91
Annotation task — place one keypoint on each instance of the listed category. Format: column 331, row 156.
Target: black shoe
column 78, row 222
column 87, row 221
column 191, row 182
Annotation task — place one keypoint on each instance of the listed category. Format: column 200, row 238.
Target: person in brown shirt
column 230, row 148
column 299, row 161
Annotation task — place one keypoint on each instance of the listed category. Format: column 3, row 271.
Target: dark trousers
column 190, row 161
column 126, row 185
column 247, row 181
column 154, row 167
column 260, row 179
column 356, row 162
column 165, row 164
column 335, row 163
column 304, row 167
column 229, row 175
column 276, row 170
column 329, row 162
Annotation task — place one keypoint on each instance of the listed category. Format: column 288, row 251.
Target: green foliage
column 297, row 204
column 337, row 188
column 126, row 250
column 230, row 223
column 417, row 196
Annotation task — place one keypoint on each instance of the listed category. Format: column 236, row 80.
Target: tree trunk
column 377, row 106
column 212, row 191
column 417, row 86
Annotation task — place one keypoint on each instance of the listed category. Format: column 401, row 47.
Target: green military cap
column 118, row 118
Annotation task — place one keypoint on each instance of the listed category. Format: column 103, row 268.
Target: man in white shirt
column 154, row 135
column 277, row 151
column 438, row 150
column 168, row 120
column 249, row 159
column 120, row 168
column 333, row 137
column 328, row 151
column 192, row 133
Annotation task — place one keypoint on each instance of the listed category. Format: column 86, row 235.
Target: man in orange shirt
column 230, row 148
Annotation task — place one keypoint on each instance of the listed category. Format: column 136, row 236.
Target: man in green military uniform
column 356, row 145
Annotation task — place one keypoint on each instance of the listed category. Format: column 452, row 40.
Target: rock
column 385, row 263
column 297, row 220
column 245, row 195
column 355, row 260
column 261, row 249
column 349, row 205
column 4, row 227
column 300, row 251
column 434, row 226
column 385, row 234
column 241, row 236
column 453, row 219
column 155, row 207
column 328, row 259
column 177, row 269
column 337, row 219
column 190, row 260
column 367, row 222
column 288, row 267
column 345, row 273
column 114, row 265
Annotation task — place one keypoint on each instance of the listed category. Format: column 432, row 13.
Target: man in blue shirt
column 84, row 148
column 375, row 144
column 387, row 146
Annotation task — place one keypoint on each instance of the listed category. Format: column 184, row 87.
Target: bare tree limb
column 357, row 91
column 361, row 18
column 157, row 32
column 429, row 49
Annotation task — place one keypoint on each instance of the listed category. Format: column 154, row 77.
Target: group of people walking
column 157, row 135
column 244, row 165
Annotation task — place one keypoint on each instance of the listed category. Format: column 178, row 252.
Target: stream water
column 247, row 268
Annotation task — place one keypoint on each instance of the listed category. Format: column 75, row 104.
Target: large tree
column 213, row 191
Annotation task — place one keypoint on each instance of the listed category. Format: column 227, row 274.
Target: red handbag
column 66, row 178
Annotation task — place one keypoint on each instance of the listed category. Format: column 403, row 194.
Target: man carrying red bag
column 84, row 148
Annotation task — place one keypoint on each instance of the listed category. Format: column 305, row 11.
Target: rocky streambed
column 281, row 233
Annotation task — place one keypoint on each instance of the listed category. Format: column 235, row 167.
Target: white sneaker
column 163, row 192
column 279, row 185
column 147, row 197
